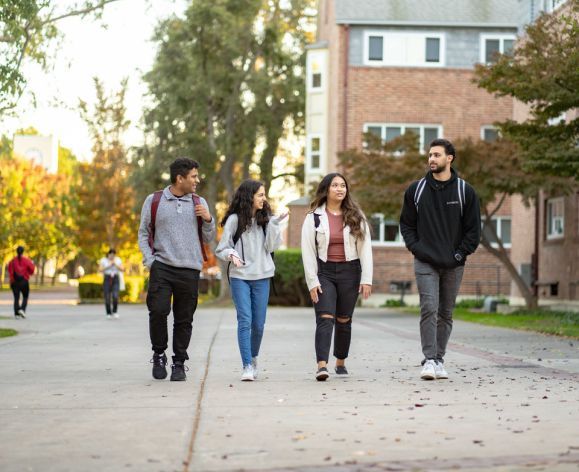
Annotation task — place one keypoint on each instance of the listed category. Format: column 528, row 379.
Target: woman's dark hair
column 242, row 206
column 447, row 145
column 181, row 166
column 352, row 215
column 111, row 251
column 19, row 251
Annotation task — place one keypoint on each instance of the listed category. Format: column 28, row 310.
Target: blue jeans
column 250, row 298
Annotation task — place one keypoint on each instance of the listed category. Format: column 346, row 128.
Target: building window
column 387, row 132
column 552, row 5
column 375, row 48
column 385, row 231
column 493, row 45
column 555, row 218
column 316, row 80
column 316, row 61
column 314, row 152
column 404, row 49
column 432, row 49
column 502, row 225
column 489, row 134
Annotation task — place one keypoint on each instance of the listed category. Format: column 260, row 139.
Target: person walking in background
column 250, row 235
column 440, row 223
column 175, row 223
column 337, row 257
column 112, row 268
column 19, row 270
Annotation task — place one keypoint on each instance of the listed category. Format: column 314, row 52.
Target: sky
column 88, row 49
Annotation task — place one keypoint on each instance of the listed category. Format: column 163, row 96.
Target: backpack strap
column 461, row 193
column 419, row 190
column 154, row 206
column 316, row 226
column 197, row 201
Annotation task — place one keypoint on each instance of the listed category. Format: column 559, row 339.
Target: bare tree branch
column 81, row 12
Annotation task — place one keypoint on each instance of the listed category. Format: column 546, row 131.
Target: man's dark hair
column 111, row 251
column 447, row 145
column 182, row 166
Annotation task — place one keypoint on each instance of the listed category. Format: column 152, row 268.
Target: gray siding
column 462, row 44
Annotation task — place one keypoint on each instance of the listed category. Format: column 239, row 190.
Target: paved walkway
column 76, row 395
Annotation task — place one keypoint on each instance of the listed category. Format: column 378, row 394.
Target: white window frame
column 403, row 127
column 380, row 241
column 310, row 138
column 549, row 202
column 488, row 127
column 320, row 58
column 385, row 63
column 497, row 220
column 552, row 5
column 501, row 37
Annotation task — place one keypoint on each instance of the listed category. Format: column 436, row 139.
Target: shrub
column 289, row 280
column 90, row 288
column 394, row 303
column 470, row 303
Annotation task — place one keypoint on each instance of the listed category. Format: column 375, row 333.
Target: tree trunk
column 501, row 254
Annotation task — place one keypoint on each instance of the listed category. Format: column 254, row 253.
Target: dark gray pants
column 438, row 289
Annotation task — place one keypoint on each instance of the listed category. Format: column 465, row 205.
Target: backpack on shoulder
column 461, row 187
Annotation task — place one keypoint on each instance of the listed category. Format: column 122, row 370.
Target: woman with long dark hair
column 20, row 269
column 337, row 256
column 250, row 234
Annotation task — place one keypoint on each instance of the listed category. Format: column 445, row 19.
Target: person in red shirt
column 20, row 269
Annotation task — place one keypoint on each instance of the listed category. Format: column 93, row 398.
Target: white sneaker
column 21, row 313
column 428, row 370
column 115, row 315
column 439, row 371
column 247, row 375
column 254, row 365
column 109, row 317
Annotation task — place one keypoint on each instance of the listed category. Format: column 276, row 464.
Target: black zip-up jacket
column 435, row 232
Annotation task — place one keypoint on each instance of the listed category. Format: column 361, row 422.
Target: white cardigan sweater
column 353, row 248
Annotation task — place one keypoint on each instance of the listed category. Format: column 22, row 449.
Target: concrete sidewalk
column 77, row 395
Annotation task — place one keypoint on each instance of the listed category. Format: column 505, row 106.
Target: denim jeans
column 111, row 289
column 438, row 289
column 250, row 298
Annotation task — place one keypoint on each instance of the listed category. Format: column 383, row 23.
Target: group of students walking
column 440, row 222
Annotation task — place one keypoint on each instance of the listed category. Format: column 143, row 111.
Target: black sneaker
column 178, row 371
column 322, row 374
column 159, row 362
column 341, row 370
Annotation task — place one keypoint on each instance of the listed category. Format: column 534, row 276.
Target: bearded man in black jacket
column 441, row 225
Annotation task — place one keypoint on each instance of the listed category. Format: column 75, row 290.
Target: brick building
column 392, row 66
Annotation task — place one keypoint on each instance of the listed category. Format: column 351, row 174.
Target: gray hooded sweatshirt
column 257, row 248
column 176, row 236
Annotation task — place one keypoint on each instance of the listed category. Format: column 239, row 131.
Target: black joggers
column 182, row 284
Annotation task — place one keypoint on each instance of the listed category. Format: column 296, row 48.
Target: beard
column 438, row 169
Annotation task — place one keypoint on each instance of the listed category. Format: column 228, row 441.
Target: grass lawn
column 4, row 333
column 561, row 323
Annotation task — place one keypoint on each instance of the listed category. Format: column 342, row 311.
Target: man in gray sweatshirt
column 173, row 222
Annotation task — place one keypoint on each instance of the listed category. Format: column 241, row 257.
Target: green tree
column 226, row 78
column 28, row 29
column 543, row 72
column 106, row 214
column 381, row 173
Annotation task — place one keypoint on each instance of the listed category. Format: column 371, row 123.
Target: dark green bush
column 470, row 303
column 90, row 288
column 394, row 303
column 289, row 281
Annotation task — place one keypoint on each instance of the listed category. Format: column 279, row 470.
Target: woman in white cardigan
column 337, row 257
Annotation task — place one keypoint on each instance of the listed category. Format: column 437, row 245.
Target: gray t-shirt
column 176, row 237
